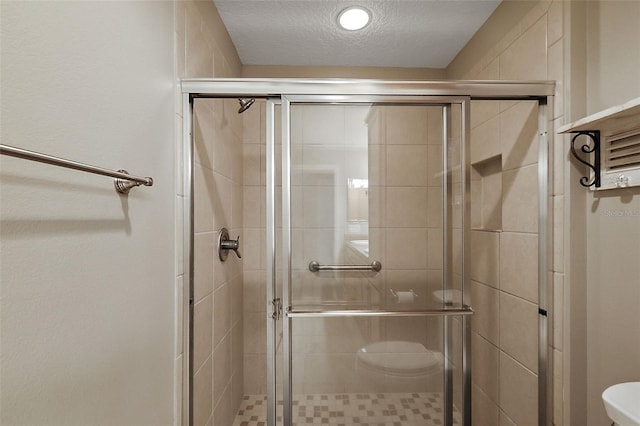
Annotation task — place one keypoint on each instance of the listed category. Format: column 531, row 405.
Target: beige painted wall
column 613, row 217
column 87, row 287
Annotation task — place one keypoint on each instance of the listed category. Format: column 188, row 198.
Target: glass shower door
column 373, row 202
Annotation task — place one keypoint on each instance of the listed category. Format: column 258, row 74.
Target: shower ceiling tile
column 402, row 33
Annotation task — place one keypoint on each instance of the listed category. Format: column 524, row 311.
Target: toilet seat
column 400, row 358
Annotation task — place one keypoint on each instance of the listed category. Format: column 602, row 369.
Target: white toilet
column 399, row 366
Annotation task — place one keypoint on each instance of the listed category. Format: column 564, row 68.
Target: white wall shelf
column 612, row 150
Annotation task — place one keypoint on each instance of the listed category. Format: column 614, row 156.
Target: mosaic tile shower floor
column 351, row 409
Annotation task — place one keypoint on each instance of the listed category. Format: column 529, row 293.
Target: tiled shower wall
column 203, row 49
column 403, row 145
column 505, row 237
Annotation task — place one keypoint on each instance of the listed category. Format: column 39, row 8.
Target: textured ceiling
column 402, row 33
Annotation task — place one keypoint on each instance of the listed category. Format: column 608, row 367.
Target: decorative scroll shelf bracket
column 592, row 145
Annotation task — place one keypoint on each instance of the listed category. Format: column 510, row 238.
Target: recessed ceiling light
column 354, row 18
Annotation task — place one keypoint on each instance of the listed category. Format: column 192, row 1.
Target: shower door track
column 282, row 91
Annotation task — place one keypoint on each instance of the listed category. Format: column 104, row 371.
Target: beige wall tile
column 237, row 349
column 254, row 333
column 204, row 134
column 434, row 165
column 558, row 397
column 516, row 62
column 252, row 250
column 202, row 264
column 202, row 324
column 221, row 313
column 255, row 375
column 203, row 209
column 485, row 139
column 518, row 392
column 237, row 299
column 557, row 314
column 377, row 165
column 483, row 410
column 254, row 295
column 485, row 322
column 199, row 57
column 221, row 272
column 519, row 330
column 505, row 420
column 406, row 248
column 520, row 199
column 519, row 265
column 237, row 387
column 406, row 165
column 251, row 164
column 221, row 368
column 252, row 211
column 560, row 159
column 555, row 71
column 222, row 147
column 485, row 260
column 377, row 206
column 252, row 123
column 519, row 135
column 222, row 201
column 224, row 413
column 558, row 233
column 328, row 372
column 485, row 360
column 554, row 22
column 434, row 248
column 490, row 69
column 399, row 280
column 434, row 125
column 486, row 187
column 406, row 125
column 202, row 393
column 406, row 207
column 237, row 168
column 492, row 198
column 434, row 207
column 482, row 111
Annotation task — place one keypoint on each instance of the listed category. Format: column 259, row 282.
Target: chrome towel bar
column 312, row 313
column 315, row 267
column 123, row 182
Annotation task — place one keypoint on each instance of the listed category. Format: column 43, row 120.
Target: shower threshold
column 352, row 409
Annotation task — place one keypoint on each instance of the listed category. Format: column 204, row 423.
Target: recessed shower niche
column 486, row 194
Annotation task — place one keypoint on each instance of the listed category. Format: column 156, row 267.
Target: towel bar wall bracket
column 122, row 181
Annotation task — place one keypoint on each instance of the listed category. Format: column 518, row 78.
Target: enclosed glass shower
column 367, row 225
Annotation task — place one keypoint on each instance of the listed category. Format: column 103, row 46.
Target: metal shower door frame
column 290, row 312
column 275, row 88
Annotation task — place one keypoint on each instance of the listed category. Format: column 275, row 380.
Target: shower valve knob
column 225, row 244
